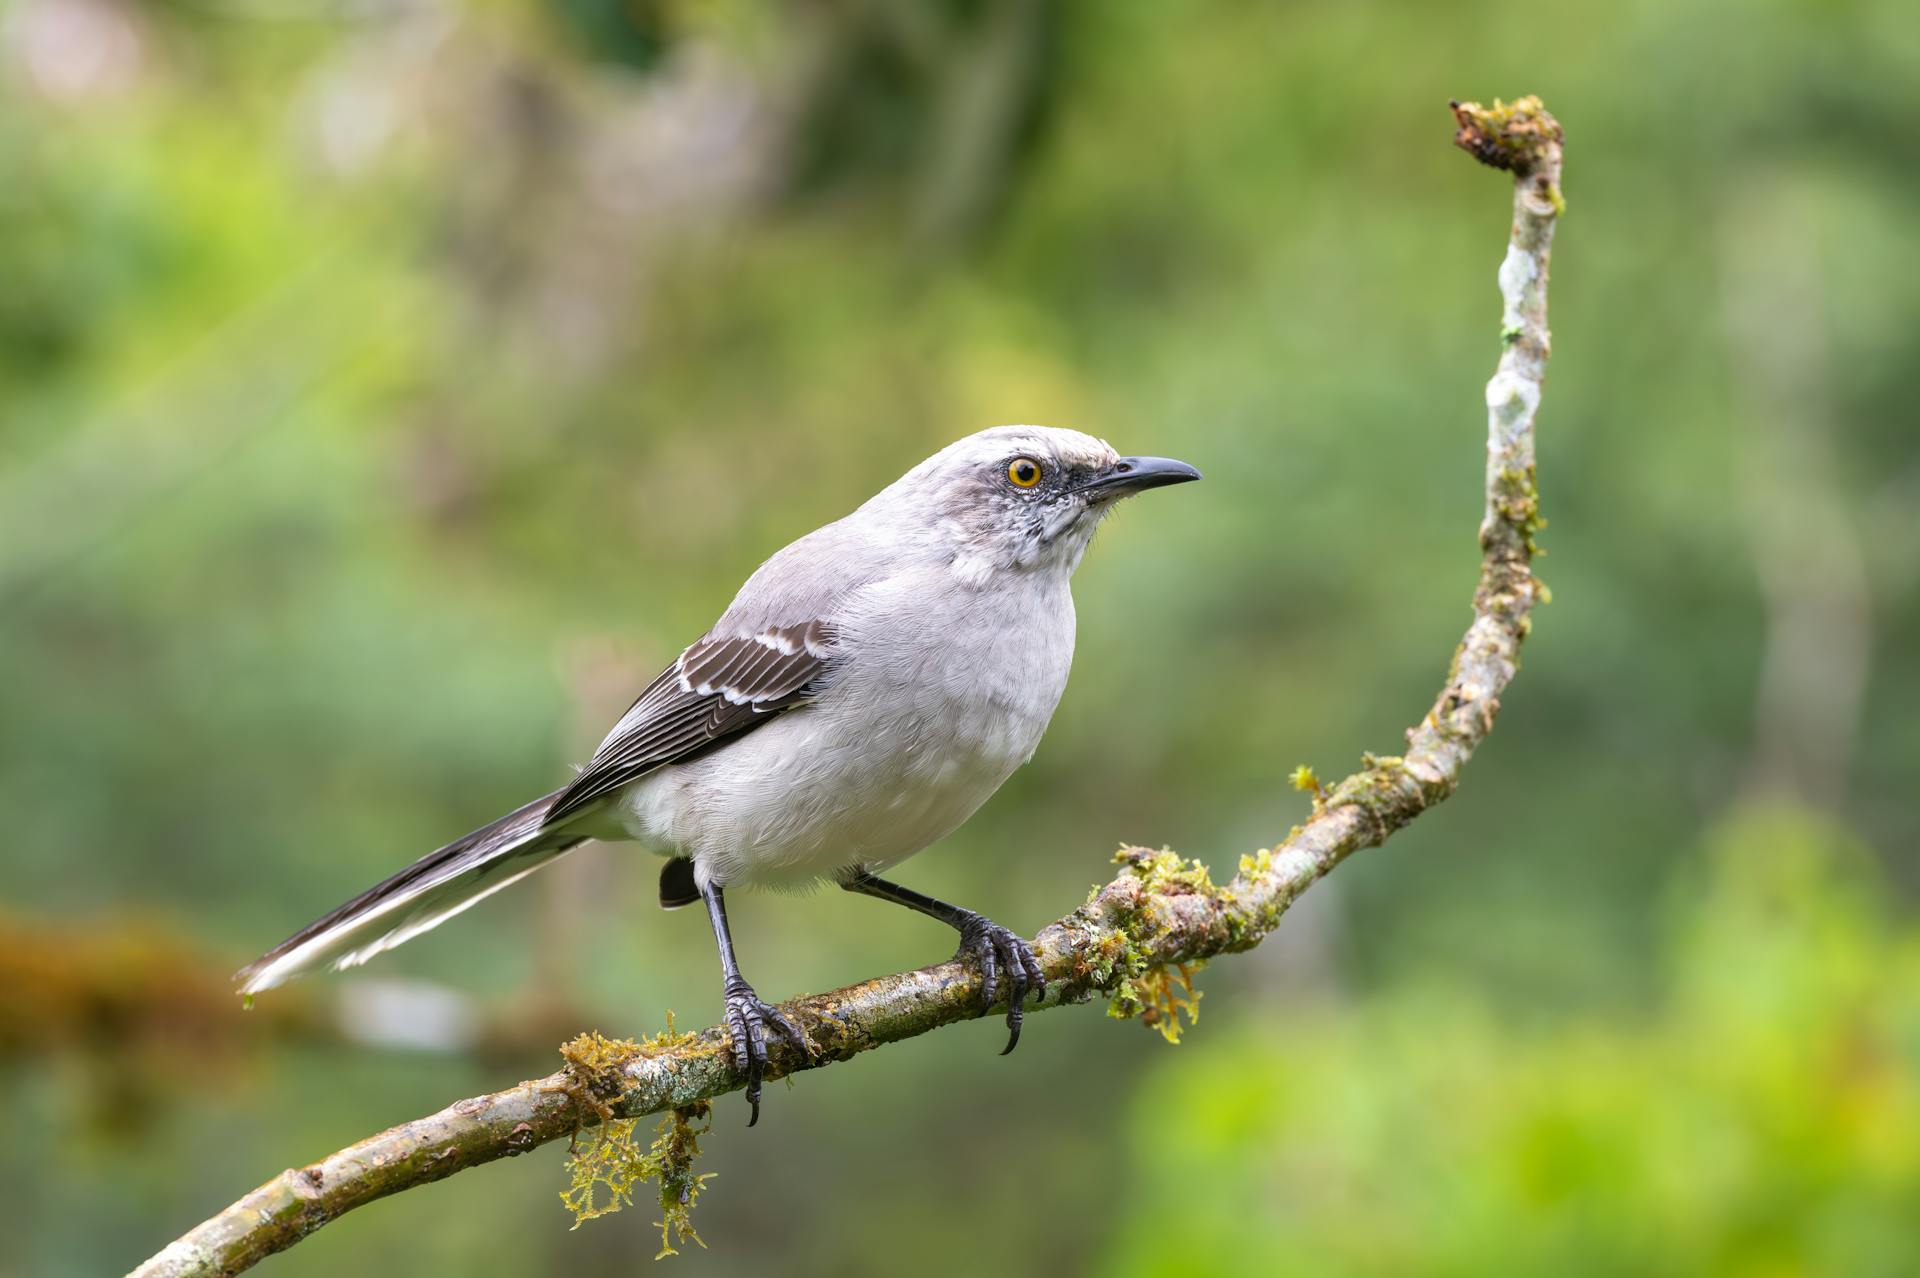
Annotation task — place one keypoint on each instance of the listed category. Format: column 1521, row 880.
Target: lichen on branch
column 1517, row 136
column 611, row 1161
column 1156, row 993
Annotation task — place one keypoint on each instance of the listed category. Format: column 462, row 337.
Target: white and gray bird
column 868, row 689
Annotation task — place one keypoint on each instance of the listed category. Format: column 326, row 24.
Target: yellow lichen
column 1144, row 989
column 1506, row 135
column 593, row 1053
column 612, row 1157
column 595, row 1060
column 1166, row 872
column 1158, row 996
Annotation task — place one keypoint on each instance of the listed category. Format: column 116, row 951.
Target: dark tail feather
column 422, row 896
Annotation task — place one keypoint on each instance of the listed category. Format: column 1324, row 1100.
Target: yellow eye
column 1023, row 472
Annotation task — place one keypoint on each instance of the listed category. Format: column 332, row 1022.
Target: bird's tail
column 420, row 897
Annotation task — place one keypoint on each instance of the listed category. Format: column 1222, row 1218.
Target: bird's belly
column 800, row 800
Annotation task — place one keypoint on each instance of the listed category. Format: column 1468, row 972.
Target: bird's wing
column 722, row 686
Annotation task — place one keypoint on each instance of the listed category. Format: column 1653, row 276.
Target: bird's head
column 1023, row 497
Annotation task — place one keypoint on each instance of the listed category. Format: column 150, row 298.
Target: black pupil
column 1023, row 471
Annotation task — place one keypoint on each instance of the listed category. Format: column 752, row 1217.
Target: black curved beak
column 1132, row 475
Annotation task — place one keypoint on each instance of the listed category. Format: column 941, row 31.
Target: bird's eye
column 1023, row 472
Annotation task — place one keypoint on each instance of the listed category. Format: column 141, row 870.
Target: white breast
column 933, row 709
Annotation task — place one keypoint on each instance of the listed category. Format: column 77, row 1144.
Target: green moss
column 1158, row 997
column 1166, row 871
column 1155, row 994
column 1246, row 927
column 1514, row 136
column 603, row 1172
column 1517, row 499
column 1113, row 958
column 1387, row 791
column 612, row 1159
column 593, row 1055
column 1304, row 779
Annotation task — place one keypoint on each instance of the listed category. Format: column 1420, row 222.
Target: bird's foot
column 748, row 1020
column 1001, row 953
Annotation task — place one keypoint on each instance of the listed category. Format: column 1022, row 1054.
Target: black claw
column 994, row 950
column 1016, row 997
column 1015, row 1019
column 747, row 1022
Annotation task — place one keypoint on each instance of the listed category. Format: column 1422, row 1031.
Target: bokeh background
column 389, row 387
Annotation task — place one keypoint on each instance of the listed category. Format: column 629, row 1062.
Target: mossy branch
column 1161, row 914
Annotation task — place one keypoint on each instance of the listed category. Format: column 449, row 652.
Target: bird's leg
column 747, row 1017
column 992, row 948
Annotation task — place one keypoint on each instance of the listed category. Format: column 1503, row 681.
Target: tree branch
column 1161, row 911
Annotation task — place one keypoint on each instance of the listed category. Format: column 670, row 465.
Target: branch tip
column 1518, row 136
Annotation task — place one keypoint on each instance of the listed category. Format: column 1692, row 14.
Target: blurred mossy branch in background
column 139, row 1011
column 1162, row 911
column 144, row 1012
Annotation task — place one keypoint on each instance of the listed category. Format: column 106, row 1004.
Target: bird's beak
column 1132, row 475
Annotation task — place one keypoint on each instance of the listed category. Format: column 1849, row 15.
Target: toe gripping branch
column 1003, row 958
column 996, row 951
column 748, row 1020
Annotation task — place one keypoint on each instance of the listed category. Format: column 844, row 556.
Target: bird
column 868, row 689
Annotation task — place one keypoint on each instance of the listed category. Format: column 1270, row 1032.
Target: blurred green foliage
column 390, row 388
column 1761, row 1116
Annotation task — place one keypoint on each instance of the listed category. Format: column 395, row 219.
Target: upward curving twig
column 1159, row 912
